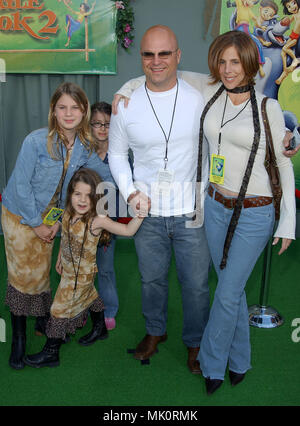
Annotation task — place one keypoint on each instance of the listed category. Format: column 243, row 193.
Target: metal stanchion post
column 262, row 315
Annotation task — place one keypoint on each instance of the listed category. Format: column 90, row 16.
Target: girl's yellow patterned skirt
column 28, row 263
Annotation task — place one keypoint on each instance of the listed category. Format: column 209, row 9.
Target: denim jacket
column 36, row 176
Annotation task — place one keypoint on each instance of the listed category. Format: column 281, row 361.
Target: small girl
column 76, row 295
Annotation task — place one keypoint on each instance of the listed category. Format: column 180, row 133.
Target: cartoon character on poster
column 274, row 25
column 75, row 24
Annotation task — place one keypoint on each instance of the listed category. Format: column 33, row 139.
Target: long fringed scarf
column 239, row 203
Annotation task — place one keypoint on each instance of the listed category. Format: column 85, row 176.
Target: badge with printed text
column 217, row 168
column 164, row 179
column 53, row 216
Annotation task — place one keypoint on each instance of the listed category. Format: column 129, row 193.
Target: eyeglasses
column 164, row 54
column 99, row 125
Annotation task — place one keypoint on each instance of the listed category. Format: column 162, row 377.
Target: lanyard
column 231, row 119
column 171, row 126
column 63, row 176
column 81, row 252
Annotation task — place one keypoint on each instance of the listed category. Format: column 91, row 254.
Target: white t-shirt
column 137, row 128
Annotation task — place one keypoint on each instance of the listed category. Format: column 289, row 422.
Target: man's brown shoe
column 192, row 361
column 148, row 346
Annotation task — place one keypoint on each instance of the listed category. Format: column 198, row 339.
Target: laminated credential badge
column 53, row 216
column 165, row 179
column 217, row 168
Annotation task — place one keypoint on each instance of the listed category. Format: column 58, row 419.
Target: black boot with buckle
column 98, row 332
column 40, row 325
column 18, row 345
column 48, row 357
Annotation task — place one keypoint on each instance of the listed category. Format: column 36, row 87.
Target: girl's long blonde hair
column 55, row 133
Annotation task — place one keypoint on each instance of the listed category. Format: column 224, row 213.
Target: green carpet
column 105, row 375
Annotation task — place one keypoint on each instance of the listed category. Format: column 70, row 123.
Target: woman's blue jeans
column 107, row 278
column 154, row 242
column 226, row 337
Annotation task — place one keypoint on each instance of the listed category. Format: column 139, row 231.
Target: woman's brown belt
column 229, row 203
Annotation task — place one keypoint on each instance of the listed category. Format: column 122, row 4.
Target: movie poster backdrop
column 58, row 36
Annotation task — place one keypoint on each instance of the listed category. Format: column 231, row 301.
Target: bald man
column 161, row 126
